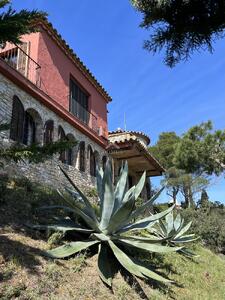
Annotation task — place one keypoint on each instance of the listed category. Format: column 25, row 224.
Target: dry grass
column 26, row 274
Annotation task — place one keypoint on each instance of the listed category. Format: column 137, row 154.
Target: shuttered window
column 29, row 130
column 62, row 137
column 48, row 132
column 17, row 120
column 92, row 163
column 82, row 156
column 78, row 102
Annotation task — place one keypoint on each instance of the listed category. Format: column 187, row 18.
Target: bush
column 209, row 224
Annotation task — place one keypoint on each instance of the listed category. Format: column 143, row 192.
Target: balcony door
column 79, row 102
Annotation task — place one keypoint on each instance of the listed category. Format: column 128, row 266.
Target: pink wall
column 56, row 69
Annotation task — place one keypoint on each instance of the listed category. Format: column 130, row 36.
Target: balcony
column 84, row 116
column 18, row 59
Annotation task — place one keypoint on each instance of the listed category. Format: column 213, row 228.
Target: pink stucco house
column 47, row 94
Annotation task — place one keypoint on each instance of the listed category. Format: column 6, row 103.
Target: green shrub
column 209, row 224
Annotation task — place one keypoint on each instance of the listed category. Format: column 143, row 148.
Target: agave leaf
column 188, row 253
column 144, row 223
column 169, row 222
column 148, row 273
column 148, row 203
column 105, row 265
column 177, row 222
column 139, row 187
column 186, row 239
column 122, row 213
column 128, row 195
column 109, row 197
column 70, row 248
column 149, row 239
column 62, row 226
column 125, row 260
column 121, row 187
column 183, row 230
column 75, row 195
column 100, row 187
column 149, row 247
column 90, row 209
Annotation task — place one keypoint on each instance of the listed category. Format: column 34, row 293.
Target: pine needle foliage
column 181, row 26
column 14, row 24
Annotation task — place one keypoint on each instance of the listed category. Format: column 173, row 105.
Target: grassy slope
column 26, row 274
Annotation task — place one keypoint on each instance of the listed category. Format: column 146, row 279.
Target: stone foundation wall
column 48, row 172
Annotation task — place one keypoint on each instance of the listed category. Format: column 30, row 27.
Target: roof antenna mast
column 125, row 125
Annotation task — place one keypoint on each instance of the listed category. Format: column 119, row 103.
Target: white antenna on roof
column 125, row 125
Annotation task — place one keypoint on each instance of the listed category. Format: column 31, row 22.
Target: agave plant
column 116, row 230
column 174, row 232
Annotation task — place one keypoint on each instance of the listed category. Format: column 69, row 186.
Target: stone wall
column 47, row 172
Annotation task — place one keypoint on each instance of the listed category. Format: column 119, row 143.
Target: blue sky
column 155, row 98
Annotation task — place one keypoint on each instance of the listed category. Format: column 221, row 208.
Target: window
column 78, row 102
column 17, row 121
column 48, row 132
column 92, row 162
column 82, row 157
column 29, row 130
column 62, row 137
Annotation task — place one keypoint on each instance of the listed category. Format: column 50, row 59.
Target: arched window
column 62, row 137
column 104, row 160
column 92, row 162
column 29, row 130
column 48, row 132
column 17, row 121
column 82, row 156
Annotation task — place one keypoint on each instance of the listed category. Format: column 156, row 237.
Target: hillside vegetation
column 26, row 274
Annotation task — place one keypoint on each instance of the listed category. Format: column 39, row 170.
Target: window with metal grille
column 79, row 102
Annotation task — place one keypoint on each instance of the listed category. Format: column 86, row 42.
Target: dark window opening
column 79, row 102
column 62, row 137
column 92, row 163
column 48, row 132
column 29, row 130
column 17, row 120
column 82, row 157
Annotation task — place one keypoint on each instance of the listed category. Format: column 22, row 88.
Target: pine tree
column 181, row 27
column 14, row 24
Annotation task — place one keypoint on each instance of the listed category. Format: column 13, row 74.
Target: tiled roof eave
column 145, row 151
column 72, row 55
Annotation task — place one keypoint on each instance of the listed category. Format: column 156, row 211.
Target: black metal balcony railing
column 84, row 115
column 17, row 58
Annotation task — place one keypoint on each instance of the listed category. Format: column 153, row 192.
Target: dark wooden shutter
column 22, row 62
column 92, row 163
column 82, row 157
column 62, row 137
column 17, row 120
column 29, row 130
column 48, row 132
